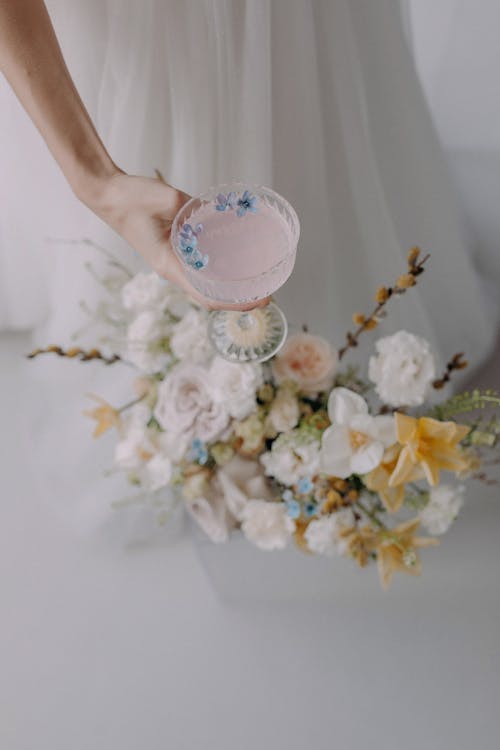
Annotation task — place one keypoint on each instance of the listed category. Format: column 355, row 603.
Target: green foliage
column 466, row 402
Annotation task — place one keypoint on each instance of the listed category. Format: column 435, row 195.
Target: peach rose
column 309, row 361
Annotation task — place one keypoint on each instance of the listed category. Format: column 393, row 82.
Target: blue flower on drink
column 225, row 201
column 247, row 202
column 198, row 452
column 305, row 486
column 188, row 243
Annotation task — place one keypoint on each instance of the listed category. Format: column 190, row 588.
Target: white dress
column 318, row 99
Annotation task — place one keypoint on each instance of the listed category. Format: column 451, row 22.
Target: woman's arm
column 140, row 209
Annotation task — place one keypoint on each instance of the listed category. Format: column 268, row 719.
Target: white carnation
column 235, row 385
column 322, row 535
column 267, row 524
column 189, row 339
column 443, row 507
column 403, row 369
column 186, row 406
column 145, row 342
column 290, row 460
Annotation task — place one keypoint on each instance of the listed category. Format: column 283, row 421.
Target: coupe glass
column 237, row 244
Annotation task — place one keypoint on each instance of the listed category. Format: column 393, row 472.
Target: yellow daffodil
column 429, row 446
column 378, row 480
column 104, row 415
column 396, row 550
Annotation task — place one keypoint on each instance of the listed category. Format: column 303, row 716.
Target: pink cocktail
column 237, row 244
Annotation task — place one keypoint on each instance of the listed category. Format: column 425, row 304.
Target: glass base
column 253, row 336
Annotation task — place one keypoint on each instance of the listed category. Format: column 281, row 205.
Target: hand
column 141, row 210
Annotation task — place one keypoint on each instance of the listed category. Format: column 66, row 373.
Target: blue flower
column 225, row 201
column 305, row 486
column 247, row 202
column 198, row 452
column 189, row 246
column 310, row 509
column 293, row 509
column 198, row 261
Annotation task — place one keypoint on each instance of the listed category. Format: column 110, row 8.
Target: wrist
column 94, row 189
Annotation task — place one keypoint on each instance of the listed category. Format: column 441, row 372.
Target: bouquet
column 299, row 449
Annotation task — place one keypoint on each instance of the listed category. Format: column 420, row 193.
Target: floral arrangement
column 297, row 449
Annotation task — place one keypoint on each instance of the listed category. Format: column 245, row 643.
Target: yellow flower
column 359, row 543
column 378, row 480
column 396, row 550
column 428, row 447
column 105, row 416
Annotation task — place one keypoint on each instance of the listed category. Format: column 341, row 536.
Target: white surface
column 106, row 648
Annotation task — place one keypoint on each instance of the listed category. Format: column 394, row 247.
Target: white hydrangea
column 235, row 385
column 445, row 502
column 267, row 524
column 185, row 405
column 189, row 338
column 322, row 535
column 145, row 342
column 291, row 459
column 403, row 369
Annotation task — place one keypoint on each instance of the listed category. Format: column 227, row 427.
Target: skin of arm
column 140, row 209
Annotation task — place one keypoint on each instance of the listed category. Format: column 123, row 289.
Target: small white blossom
column 189, row 340
column 156, row 473
column 356, row 441
column 290, row 460
column 322, row 535
column 234, row 385
column 130, row 449
column 185, row 405
column 267, row 524
column 146, row 342
column 143, row 291
column 445, row 502
column 403, row 369
column 284, row 413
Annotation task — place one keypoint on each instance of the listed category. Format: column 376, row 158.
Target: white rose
column 189, row 339
column 284, row 413
column 355, row 443
column 145, row 342
column 235, row 385
column 186, row 406
column 143, row 291
column 290, row 460
column 242, row 480
column 443, row 507
column 322, row 535
column 267, row 524
column 403, row 369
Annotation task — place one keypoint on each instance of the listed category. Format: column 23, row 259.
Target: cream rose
column 309, row 361
column 186, row 406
